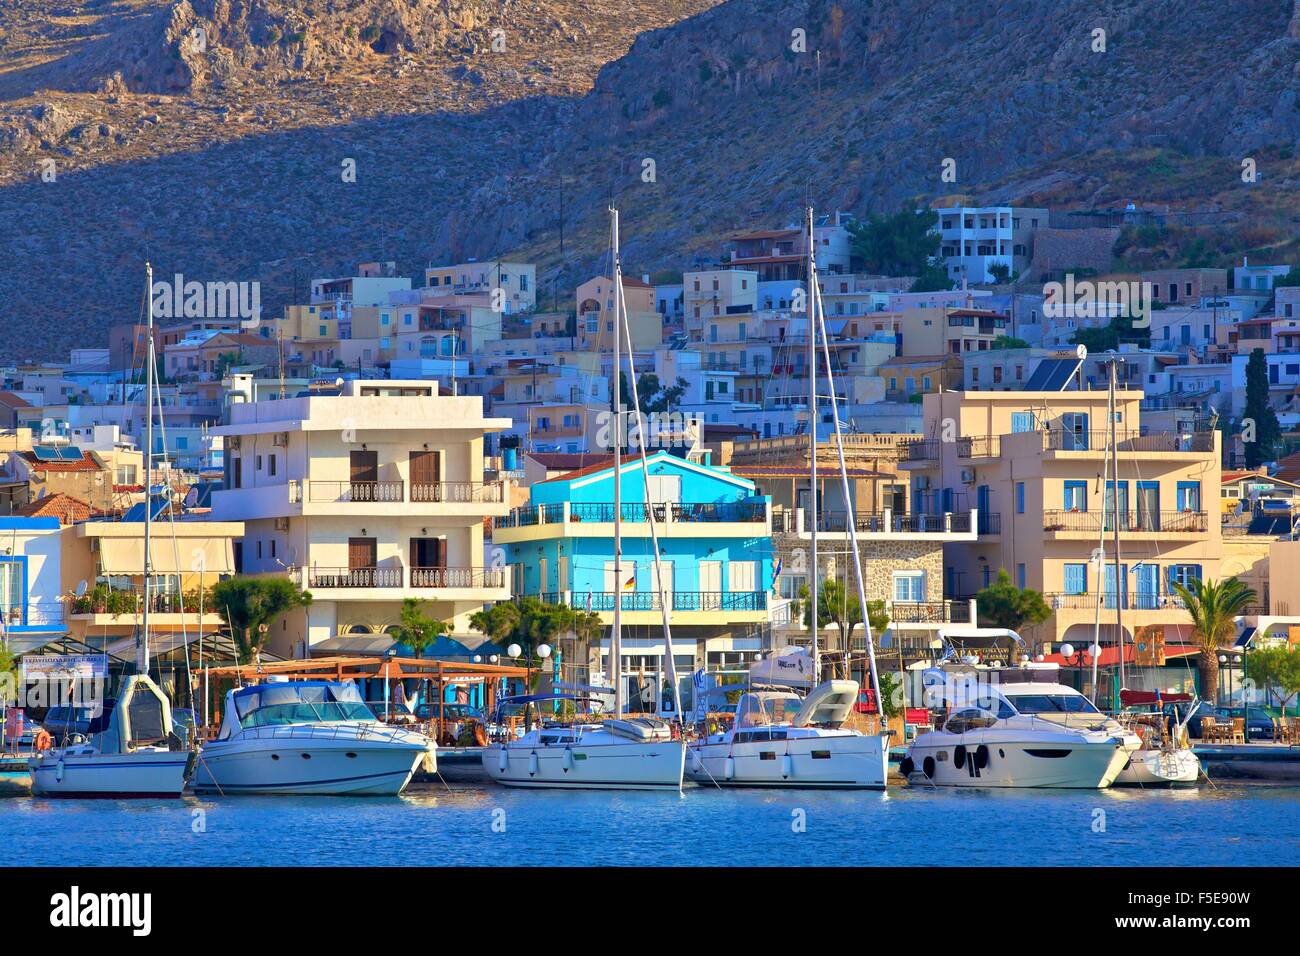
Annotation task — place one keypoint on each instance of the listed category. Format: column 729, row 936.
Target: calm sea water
column 1237, row 825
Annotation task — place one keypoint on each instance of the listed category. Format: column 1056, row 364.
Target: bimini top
column 293, row 702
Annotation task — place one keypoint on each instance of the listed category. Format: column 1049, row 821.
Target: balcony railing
column 458, row 492
column 649, row 600
column 929, row 612
column 1139, row 601
column 983, row 446
column 458, row 577
column 1171, row 521
column 919, row 449
column 636, row 512
column 356, row 491
column 1058, row 439
column 354, row 578
column 880, row 522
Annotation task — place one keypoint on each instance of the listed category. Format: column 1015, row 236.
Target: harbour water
column 1223, row 826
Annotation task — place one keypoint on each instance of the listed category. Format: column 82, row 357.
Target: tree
column 654, row 397
column 933, row 278
column 531, row 622
column 418, row 630
column 1002, row 604
column 835, row 605
column 1107, row 338
column 901, row 244
column 1002, row 273
column 1009, row 342
column 250, row 603
column 9, row 677
column 1213, row 608
column 1292, row 278
column 1259, row 416
column 1277, row 667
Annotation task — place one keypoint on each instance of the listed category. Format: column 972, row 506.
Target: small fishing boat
column 308, row 737
column 130, row 750
column 628, row 753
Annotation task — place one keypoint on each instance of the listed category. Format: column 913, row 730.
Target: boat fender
column 730, row 769
column 981, row 756
column 959, row 756
column 532, row 764
column 502, row 759
column 905, row 766
column 927, row 767
column 58, row 771
column 567, row 762
column 787, row 767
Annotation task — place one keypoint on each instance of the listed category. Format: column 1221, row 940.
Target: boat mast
column 1101, row 568
column 1114, row 468
column 851, row 523
column 616, row 637
column 142, row 646
column 811, row 514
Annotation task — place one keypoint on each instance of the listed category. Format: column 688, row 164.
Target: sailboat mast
column 1101, row 570
column 810, row 516
column 142, row 655
column 1114, row 468
column 616, row 637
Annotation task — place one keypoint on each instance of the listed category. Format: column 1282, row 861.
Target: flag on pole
column 776, row 572
column 630, row 583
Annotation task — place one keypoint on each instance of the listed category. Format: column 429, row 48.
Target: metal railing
column 929, row 612
column 636, row 512
column 918, row 449
column 457, row 492
column 458, row 577
column 356, row 491
column 885, row 522
column 1057, row 439
column 982, row 446
column 354, row 578
column 1172, row 521
column 649, row 601
column 1139, row 601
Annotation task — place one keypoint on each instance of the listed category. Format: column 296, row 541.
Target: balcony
column 371, row 497
column 954, row 525
column 744, row 604
column 319, row 578
column 930, row 612
column 1093, row 523
column 596, row 519
column 1139, row 601
column 1096, row 442
column 458, row 577
column 367, row 492
column 918, row 451
column 458, row 492
column 396, row 581
column 983, row 446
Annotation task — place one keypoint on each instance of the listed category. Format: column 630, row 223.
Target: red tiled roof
column 85, row 464
column 67, row 509
column 14, row 401
column 607, row 461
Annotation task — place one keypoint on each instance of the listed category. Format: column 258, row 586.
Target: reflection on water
column 1223, row 825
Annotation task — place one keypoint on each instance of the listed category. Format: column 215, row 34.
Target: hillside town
column 442, row 441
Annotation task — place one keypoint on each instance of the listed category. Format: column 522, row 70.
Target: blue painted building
column 715, row 548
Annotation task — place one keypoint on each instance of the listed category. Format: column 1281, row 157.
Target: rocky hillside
column 213, row 136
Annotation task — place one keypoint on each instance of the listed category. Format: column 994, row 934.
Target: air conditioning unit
column 233, row 443
column 281, row 440
column 281, row 524
column 968, row 476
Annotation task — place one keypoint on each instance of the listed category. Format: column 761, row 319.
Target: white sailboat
column 131, row 749
column 641, row 753
column 776, row 738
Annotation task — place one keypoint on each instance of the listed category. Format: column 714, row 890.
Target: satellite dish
column 1081, row 351
column 338, row 383
column 81, row 588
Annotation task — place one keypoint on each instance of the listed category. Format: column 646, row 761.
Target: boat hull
column 1160, row 768
column 848, row 762
column 304, row 765
column 1077, row 764
column 160, row 774
column 588, row 766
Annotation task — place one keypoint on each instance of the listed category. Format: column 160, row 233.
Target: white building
column 974, row 239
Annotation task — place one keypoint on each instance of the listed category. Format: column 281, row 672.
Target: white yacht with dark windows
column 308, row 737
column 1015, row 727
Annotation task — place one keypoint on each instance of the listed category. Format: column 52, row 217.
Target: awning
column 167, row 556
column 377, row 645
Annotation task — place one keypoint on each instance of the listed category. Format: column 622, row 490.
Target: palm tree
column 1213, row 608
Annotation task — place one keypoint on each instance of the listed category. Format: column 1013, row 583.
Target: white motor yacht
column 631, row 753
column 1025, row 732
column 779, row 739
column 308, row 737
column 129, row 750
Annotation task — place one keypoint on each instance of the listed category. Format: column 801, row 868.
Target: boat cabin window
column 970, row 718
column 766, row 709
column 300, row 703
column 557, row 738
column 1052, row 704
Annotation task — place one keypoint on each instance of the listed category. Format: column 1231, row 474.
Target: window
column 1022, row 422
column 1189, row 496
column 1076, row 578
column 1076, row 496
column 1020, row 498
column 909, row 586
column 1183, row 574
column 1020, row 576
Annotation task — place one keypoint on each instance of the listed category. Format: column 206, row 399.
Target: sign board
column 64, row 666
column 1149, row 645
